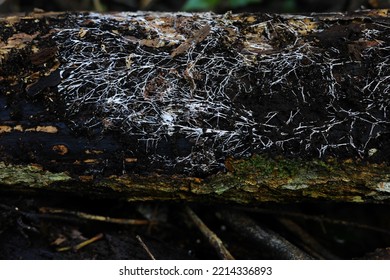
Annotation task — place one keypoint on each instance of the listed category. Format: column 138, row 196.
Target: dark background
column 279, row 6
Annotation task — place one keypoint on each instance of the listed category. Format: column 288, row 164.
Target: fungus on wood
column 233, row 107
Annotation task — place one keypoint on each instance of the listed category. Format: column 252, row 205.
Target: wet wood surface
column 243, row 108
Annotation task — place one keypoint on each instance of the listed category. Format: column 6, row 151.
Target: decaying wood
column 263, row 236
column 245, row 108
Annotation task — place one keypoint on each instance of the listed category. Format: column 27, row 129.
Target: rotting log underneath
column 245, row 108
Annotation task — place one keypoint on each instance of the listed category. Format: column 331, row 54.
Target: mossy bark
column 251, row 181
column 243, row 108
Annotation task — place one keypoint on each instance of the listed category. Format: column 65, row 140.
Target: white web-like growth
column 136, row 86
column 141, row 92
column 335, row 126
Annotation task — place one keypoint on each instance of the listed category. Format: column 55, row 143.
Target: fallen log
column 158, row 106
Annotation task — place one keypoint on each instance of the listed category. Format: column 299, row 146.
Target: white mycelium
column 152, row 79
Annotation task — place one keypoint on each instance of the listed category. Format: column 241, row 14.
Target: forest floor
column 58, row 227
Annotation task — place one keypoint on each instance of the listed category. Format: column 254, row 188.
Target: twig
column 316, row 249
column 87, row 216
column 213, row 239
column 145, row 247
column 319, row 219
column 82, row 244
column 280, row 247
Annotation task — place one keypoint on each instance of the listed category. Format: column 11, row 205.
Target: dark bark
column 245, row 108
